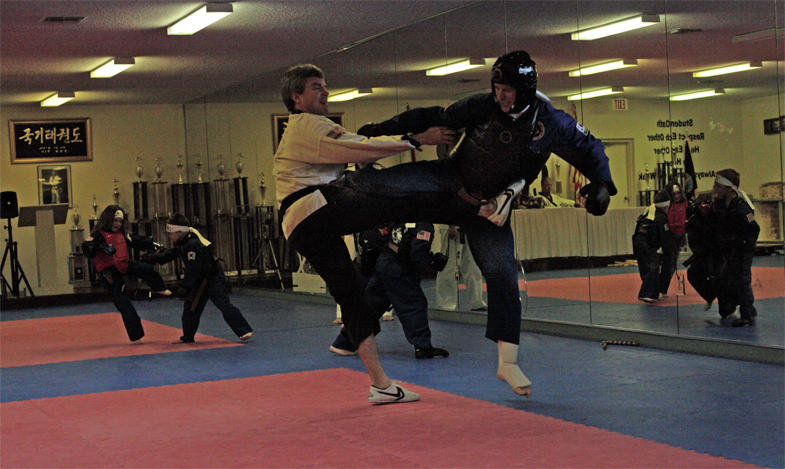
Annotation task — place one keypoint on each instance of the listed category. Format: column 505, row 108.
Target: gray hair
column 294, row 82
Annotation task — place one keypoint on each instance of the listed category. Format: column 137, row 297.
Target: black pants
column 648, row 266
column 699, row 276
column 212, row 288
column 141, row 270
column 735, row 289
column 413, row 192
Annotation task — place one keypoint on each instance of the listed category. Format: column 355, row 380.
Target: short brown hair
column 731, row 175
column 178, row 219
column 294, row 82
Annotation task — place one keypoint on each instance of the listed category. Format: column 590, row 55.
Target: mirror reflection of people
column 550, row 200
column 700, row 238
column 460, row 263
column 109, row 247
column 677, row 221
column 735, row 234
column 651, row 234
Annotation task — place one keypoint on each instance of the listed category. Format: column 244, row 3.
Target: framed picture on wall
column 280, row 121
column 54, row 184
column 50, row 141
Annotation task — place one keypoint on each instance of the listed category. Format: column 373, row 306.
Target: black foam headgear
column 517, row 69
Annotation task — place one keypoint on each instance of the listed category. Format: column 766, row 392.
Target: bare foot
column 337, row 321
column 512, row 375
column 707, row 305
column 163, row 292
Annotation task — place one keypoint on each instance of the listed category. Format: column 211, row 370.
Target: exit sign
column 619, row 104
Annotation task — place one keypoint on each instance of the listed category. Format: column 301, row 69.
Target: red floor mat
column 71, row 338
column 308, row 419
column 767, row 282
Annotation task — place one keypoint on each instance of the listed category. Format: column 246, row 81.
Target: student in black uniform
column 203, row 279
column 651, row 234
column 401, row 255
column 736, row 234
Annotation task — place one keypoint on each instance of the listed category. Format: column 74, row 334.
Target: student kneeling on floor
column 651, row 234
column 203, row 279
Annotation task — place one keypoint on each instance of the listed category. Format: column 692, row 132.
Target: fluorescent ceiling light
column 770, row 33
column 615, row 65
column 349, row 95
column 699, row 94
column 455, row 67
column 728, row 69
column 113, row 67
column 596, row 93
column 200, row 19
column 58, row 99
column 618, row 27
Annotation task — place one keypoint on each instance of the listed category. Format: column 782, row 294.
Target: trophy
column 141, row 210
column 239, row 164
column 241, row 188
column 159, row 171
column 198, row 169
column 261, row 186
column 180, row 168
column 139, row 169
column 116, row 192
column 77, row 262
column 75, row 217
column 95, row 209
column 221, row 168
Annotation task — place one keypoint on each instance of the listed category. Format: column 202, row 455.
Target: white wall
column 119, row 135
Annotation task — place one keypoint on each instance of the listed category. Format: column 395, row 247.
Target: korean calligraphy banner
column 50, row 141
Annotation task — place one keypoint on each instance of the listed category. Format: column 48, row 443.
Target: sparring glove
column 597, row 198
column 370, row 130
column 108, row 249
column 158, row 247
column 437, row 261
column 504, row 203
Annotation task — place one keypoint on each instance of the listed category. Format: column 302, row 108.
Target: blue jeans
column 424, row 191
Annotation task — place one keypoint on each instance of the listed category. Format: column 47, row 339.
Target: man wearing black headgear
column 509, row 135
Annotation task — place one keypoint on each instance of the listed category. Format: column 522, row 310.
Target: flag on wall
column 690, row 182
column 578, row 179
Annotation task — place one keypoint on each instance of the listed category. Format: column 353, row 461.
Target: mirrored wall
column 578, row 268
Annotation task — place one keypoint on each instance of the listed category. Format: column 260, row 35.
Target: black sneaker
column 741, row 322
column 433, row 352
column 186, row 340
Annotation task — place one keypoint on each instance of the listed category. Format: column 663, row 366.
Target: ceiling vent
column 63, row 19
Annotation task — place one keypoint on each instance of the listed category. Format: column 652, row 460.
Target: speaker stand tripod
column 258, row 262
column 17, row 273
